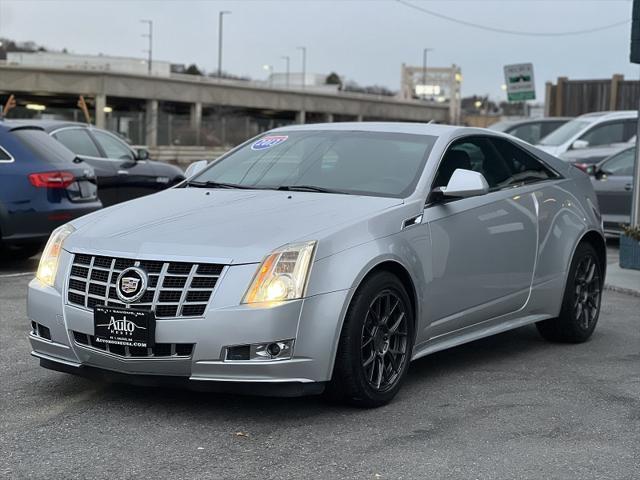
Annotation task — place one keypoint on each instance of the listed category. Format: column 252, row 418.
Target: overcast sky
column 364, row 40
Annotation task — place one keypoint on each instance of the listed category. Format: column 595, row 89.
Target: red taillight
column 51, row 179
column 582, row 166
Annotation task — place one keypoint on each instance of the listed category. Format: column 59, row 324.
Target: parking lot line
column 20, row 274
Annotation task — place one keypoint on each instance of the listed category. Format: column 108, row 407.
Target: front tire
column 581, row 303
column 375, row 345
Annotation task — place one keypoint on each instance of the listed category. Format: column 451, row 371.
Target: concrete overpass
column 201, row 92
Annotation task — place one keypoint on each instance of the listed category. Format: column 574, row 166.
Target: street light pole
column 424, row 71
column 150, row 36
column 288, row 60
column 220, row 16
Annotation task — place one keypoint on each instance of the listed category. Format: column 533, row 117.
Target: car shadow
column 204, row 406
column 10, row 266
column 477, row 354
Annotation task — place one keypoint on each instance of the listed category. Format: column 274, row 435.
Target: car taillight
column 51, row 179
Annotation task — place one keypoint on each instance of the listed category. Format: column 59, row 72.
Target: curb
column 627, row 291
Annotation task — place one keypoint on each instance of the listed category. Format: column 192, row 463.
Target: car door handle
column 628, row 187
column 123, row 172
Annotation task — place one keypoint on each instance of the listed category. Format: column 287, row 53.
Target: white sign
column 519, row 81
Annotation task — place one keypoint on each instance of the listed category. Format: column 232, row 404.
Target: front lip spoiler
column 261, row 389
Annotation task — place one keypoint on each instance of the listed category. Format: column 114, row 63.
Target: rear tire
column 581, row 303
column 375, row 344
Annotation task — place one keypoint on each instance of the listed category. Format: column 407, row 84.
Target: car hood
column 221, row 226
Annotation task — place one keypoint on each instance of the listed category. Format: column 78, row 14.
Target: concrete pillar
column 328, row 117
column 301, row 117
column 151, row 123
column 359, row 118
column 101, row 102
column 195, row 119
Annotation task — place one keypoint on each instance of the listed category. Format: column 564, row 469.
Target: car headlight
column 282, row 275
column 48, row 266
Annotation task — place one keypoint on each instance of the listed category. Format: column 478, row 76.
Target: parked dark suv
column 124, row 173
column 42, row 186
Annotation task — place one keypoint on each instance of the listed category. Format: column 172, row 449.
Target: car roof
column 382, row 127
column 613, row 154
column 598, row 151
column 608, row 115
column 46, row 125
column 509, row 123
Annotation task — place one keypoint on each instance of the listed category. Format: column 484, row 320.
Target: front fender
column 346, row 270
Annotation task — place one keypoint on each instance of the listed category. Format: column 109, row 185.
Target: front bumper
column 313, row 323
column 280, row 389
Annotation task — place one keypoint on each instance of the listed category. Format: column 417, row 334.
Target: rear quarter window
column 4, row 156
column 43, row 146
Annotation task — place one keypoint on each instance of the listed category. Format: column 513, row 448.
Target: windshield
column 360, row 163
column 565, row 133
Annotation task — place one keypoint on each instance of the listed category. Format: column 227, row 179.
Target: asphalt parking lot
column 511, row 406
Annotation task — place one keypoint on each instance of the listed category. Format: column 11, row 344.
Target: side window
column 113, row 148
column 524, row 167
column 529, row 132
column 503, row 164
column 631, row 129
column 78, row 141
column 471, row 153
column 4, row 156
column 612, row 132
column 621, row 164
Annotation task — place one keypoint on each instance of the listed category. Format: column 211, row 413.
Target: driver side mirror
column 579, row 144
column 464, row 183
column 195, row 167
column 142, row 154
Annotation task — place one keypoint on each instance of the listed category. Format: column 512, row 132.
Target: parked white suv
column 590, row 130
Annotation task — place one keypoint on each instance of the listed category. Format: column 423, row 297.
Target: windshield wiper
column 212, row 184
column 306, row 188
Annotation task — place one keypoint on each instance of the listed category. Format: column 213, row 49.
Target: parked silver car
column 591, row 130
column 530, row 130
column 613, row 182
column 324, row 257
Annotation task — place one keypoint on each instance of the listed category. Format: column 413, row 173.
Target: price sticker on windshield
column 269, row 141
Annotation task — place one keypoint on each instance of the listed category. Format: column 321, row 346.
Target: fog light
column 272, row 351
column 281, row 350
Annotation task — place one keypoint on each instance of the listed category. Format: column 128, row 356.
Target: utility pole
column 635, row 58
column 220, row 17
column 287, row 59
column 635, row 193
column 424, row 71
column 150, row 36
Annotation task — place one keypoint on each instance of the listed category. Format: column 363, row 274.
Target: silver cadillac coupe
column 323, row 258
